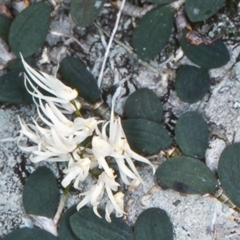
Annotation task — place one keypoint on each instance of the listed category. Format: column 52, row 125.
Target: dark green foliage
column 229, row 172
column 29, row 29
column 199, row 10
column 65, row 230
column 153, row 224
column 161, row 1
column 41, row 193
column 145, row 104
column 146, row 137
column 12, row 89
column 192, row 134
column 16, row 64
column 77, row 76
column 5, row 24
column 192, row 83
column 153, row 32
column 29, row 234
column 87, row 226
column 186, row 175
column 84, row 12
column 210, row 56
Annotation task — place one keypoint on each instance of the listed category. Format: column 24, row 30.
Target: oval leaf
column 192, row 134
column 5, row 24
column 199, row 10
column 12, row 89
column 87, row 226
column 29, row 234
column 29, row 29
column 17, row 65
column 186, row 175
column 192, row 83
column 229, row 172
column 84, row 12
column 146, row 137
column 145, row 104
column 153, row 31
column 41, row 193
column 65, row 230
column 210, row 56
column 77, row 76
column 153, row 224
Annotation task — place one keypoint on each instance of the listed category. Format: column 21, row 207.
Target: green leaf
column 146, row 137
column 153, row 224
column 192, row 83
column 65, row 230
column 87, row 226
column 144, row 103
column 153, row 32
column 29, row 234
column 12, row 89
column 186, row 175
column 84, row 12
column 229, row 172
column 192, row 134
column 77, row 76
column 199, row 10
column 5, row 24
column 210, row 56
column 41, row 193
column 16, row 64
column 161, row 1
column 29, row 29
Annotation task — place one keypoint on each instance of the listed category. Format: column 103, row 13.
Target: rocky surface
column 194, row 217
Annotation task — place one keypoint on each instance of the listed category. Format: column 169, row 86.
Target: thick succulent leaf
column 199, row 10
column 5, row 24
column 146, row 137
column 192, row 134
column 84, row 12
column 192, row 83
column 65, row 230
column 153, row 224
column 29, row 29
column 41, row 193
column 77, row 76
column 145, row 104
column 229, row 172
column 210, row 56
column 12, row 89
column 153, row 31
column 17, row 65
column 29, row 234
column 87, row 226
column 186, row 175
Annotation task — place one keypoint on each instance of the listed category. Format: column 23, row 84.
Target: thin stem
column 109, row 44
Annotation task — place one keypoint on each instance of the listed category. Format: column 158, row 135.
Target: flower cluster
column 54, row 137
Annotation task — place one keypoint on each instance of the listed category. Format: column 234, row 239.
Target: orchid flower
column 78, row 171
column 96, row 192
column 119, row 200
column 62, row 94
column 116, row 146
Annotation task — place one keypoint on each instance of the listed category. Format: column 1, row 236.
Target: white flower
column 95, row 194
column 119, row 200
column 62, row 94
column 81, row 128
column 116, row 146
column 48, row 144
column 77, row 171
